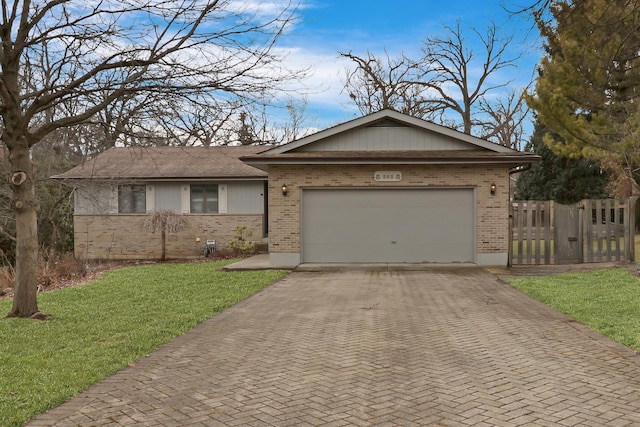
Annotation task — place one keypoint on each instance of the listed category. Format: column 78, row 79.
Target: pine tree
column 586, row 94
column 559, row 178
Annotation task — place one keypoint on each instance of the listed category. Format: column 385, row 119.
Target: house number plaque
column 388, row 176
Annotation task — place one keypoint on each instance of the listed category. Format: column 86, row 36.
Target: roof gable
column 388, row 130
column 168, row 163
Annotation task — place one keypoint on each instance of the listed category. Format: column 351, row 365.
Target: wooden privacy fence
column 544, row 232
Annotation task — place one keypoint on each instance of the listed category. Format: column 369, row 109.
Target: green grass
column 607, row 300
column 99, row 328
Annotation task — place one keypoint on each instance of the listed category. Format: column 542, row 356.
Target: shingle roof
column 168, row 163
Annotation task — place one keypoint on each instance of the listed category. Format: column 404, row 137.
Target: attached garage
column 389, row 188
column 375, row 225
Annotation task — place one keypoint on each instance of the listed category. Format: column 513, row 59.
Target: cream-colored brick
column 492, row 212
column 126, row 237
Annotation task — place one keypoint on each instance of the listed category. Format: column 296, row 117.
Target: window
column 132, row 199
column 204, row 199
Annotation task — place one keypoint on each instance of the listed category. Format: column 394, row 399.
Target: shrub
column 239, row 243
column 6, row 279
column 53, row 268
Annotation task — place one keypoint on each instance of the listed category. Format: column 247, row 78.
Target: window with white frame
column 132, row 198
column 204, row 199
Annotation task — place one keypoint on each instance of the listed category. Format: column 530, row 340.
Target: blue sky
column 327, row 27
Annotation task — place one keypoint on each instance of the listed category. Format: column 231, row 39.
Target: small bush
column 6, row 280
column 54, row 268
column 239, row 243
column 223, row 254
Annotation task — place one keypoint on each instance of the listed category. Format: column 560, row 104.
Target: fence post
column 620, row 252
column 580, row 234
column 548, row 215
column 589, row 225
column 520, row 231
column 538, row 221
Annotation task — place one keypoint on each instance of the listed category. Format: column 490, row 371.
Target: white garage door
column 388, row 225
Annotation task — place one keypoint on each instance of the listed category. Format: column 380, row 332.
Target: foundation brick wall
column 121, row 237
column 492, row 211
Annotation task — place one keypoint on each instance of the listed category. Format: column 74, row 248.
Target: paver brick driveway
column 374, row 348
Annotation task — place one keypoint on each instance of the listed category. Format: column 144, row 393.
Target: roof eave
column 275, row 160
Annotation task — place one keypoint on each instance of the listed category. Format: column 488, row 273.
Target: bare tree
column 386, row 83
column 257, row 126
column 166, row 222
column 450, row 84
column 87, row 55
column 126, row 121
column 154, row 119
column 502, row 120
column 293, row 128
column 205, row 122
column 460, row 78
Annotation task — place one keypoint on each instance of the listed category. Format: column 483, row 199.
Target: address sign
column 389, row 176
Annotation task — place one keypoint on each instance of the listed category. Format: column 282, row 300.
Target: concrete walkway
column 374, row 348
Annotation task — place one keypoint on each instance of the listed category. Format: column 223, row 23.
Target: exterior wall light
column 285, row 189
column 492, row 188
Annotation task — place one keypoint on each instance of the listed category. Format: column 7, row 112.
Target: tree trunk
column 25, row 207
column 466, row 116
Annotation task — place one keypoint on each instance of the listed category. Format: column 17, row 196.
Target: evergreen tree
column 559, row 178
column 586, row 94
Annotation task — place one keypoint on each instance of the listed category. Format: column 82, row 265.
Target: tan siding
column 246, row 197
column 168, row 197
column 492, row 221
column 387, row 138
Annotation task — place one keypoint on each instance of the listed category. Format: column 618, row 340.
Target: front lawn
column 99, row 328
column 607, row 300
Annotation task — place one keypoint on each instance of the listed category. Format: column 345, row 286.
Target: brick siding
column 492, row 211
column 126, row 237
